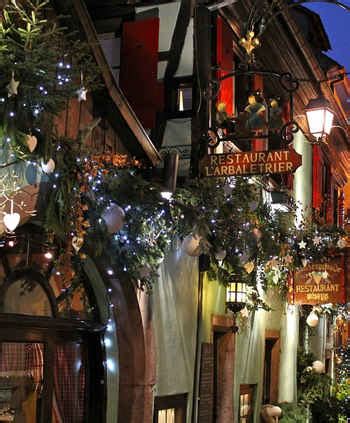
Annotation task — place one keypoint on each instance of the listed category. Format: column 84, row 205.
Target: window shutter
column 317, row 194
column 224, row 57
column 138, row 69
column 206, row 384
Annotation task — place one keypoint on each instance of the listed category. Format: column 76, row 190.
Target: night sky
column 337, row 24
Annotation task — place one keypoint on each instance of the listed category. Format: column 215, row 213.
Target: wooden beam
column 115, row 93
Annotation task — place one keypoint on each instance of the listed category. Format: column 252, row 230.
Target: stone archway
column 137, row 363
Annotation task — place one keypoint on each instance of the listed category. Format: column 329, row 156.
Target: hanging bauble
column 11, row 221
column 270, row 410
column 49, row 166
column 113, row 216
column 220, row 255
column 31, row 141
column 191, row 245
column 257, row 233
column 77, row 243
column 312, row 319
column 318, row 367
column 12, row 86
column 338, row 359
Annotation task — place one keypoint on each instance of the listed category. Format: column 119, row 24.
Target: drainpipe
column 196, row 373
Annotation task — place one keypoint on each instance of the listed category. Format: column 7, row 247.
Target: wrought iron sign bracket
column 257, row 112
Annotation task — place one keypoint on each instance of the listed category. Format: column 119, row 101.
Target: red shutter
column 225, row 62
column 138, row 71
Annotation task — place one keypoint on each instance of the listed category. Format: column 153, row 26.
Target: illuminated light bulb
column 110, row 272
column 48, row 255
column 167, row 195
column 11, row 243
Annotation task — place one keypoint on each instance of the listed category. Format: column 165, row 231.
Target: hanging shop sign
column 250, row 163
column 319, row 283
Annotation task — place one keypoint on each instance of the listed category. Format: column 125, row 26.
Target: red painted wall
column 225, row 61
column 138, row 71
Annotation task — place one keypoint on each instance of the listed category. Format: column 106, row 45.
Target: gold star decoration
column 12, row 86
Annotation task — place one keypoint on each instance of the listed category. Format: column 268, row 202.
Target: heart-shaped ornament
column 249, row 267
column 77, row 243
column 11, row 221
column 32, row 142
column 48, row 167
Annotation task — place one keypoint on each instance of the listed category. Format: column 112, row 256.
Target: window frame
column 247, row 389
column 178, row 402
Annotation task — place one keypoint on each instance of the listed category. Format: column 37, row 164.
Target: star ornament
column 12, row 86
column 302, row 244
column 81, row 93
column 317, row 240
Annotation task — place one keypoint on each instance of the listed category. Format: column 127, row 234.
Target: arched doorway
column 51, row 356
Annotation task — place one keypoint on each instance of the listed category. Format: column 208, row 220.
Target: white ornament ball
column 191, row 245
column 220, row 255
column 113, row 216
column 318, row 367
column 312, row 320
column 273, row 411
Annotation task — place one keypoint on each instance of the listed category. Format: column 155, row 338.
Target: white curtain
column 174, row 302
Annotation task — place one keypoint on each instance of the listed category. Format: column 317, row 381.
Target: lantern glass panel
column 320, row 121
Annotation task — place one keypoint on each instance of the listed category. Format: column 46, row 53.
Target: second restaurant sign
column 250, row 163
column 319, row 283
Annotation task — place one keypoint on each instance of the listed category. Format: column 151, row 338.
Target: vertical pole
column 196, row 375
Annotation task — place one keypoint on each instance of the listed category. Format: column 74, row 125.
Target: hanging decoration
column 12, row 86
column 49, row 166
column 312, row 319
column 114, row 217
column 82, row 91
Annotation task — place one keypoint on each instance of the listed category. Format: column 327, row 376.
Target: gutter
column 115, row 93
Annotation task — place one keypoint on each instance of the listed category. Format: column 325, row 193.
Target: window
column 184, row 98
column 179, row 103
column 246, row 407
column 50, row 360
column 170, row 409
column 166, row 416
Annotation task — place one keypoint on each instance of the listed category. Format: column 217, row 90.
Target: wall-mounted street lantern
column 236, row 296
column 236, row 299
column 319, row 118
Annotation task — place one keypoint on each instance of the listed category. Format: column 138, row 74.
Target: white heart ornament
column 32, row 142
column 48, row 167
column 11, row 221
column 77, row 243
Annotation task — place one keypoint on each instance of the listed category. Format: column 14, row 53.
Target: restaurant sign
column 250, row 163
column 318, row 283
